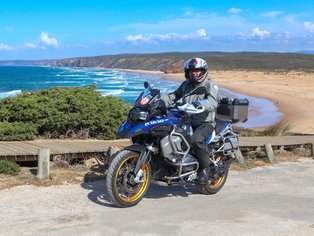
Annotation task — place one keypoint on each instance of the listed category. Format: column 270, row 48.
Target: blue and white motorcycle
column 161, row 151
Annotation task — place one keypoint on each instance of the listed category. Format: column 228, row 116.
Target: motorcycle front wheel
column 122, row 190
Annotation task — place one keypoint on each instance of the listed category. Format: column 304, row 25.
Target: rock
column 57, row 160
column 258, row 149
column 79, row 178
column 252, row 155
column 91, row 162
column 282, row 150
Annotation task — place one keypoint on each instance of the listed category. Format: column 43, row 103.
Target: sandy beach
column 292, row 92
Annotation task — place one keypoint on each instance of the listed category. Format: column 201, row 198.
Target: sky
column 45, row 29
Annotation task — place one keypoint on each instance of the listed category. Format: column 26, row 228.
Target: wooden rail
column 28, row 150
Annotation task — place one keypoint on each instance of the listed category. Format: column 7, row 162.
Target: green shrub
column 61, row 113
column 17, row 131
column 280, row 129
column 9, row 168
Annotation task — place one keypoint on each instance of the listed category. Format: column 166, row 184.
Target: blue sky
column 47, row 29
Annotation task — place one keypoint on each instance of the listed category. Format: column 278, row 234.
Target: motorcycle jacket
column 206, row 93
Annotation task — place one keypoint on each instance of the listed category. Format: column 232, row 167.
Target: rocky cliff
column 173, row 62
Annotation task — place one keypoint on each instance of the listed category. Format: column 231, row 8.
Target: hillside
column 173, row 62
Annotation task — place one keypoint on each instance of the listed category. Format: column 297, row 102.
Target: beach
column 291, row 92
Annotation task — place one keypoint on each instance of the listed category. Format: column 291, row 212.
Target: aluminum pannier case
column 233, row 110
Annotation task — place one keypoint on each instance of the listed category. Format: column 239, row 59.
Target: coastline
column 292, row 92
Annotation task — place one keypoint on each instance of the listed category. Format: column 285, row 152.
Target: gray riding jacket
column 206, row 93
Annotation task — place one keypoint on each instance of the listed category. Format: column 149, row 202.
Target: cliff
column 173, row 62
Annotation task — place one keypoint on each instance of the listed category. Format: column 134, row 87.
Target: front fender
column 136, row 148
column 143, row 155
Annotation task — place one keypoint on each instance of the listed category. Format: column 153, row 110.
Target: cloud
column 4, row 47
column 30, row 45
column 258, row 33
column 308, row 26
column 234, row 10
column 272, row 14
column 241, row 35
column 153, row 38
column 48, row 41
column 283, row 36
column 134, row 38
column 202, row 32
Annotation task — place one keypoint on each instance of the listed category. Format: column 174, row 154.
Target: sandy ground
column 292, row 92
column 273, row 200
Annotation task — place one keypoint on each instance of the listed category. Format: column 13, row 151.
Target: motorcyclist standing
column 196, row 71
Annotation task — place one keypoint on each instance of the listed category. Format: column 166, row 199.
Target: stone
column 91, row 162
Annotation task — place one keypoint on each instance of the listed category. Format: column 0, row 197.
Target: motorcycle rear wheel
column 214, row 186
column 122, row 191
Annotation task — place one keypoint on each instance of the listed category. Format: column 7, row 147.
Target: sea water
column 125, row 85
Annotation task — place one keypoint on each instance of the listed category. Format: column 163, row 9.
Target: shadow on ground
column 99, row 195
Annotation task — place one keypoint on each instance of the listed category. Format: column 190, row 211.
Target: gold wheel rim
column 217, row 183
column 142, row 186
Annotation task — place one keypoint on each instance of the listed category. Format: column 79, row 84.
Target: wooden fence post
column 312, row 150
column 239, row 157
column 43, row 170
column 269, row 153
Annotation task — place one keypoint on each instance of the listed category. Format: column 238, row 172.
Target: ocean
column 125, row 85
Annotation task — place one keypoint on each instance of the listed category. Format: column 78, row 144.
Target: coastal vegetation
column 172, row 62
column 280, row 129
column 77, row 112
column 9, row 168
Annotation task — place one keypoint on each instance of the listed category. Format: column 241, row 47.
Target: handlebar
column 190, row 109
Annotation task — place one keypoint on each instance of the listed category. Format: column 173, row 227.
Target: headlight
column 143, row 115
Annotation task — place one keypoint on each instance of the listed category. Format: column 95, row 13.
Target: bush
column 17, row 131
column 9, row 168
column 280, row 129
column 61, row 113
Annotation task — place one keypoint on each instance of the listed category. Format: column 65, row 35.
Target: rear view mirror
column 146, row 84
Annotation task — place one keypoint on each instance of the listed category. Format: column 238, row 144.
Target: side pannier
column 233, row 110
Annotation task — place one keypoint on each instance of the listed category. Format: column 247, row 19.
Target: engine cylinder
column 166, row 148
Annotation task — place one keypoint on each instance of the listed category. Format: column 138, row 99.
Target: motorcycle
column 161, row 150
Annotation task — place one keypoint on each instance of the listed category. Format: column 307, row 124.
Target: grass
column 280, row 129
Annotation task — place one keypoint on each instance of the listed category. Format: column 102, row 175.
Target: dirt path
column 268, row 200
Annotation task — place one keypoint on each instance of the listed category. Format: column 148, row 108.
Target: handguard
column 190, row 109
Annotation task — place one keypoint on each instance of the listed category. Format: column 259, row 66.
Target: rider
column 196, row 71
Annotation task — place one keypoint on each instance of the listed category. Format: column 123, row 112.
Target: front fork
column 142, row 161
